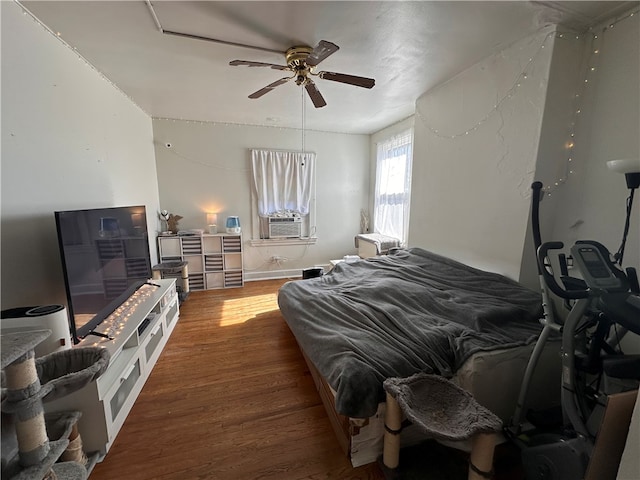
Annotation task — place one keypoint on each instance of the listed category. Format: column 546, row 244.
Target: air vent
column 285, row 227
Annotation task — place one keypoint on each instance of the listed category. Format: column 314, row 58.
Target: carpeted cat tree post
column 29, row 382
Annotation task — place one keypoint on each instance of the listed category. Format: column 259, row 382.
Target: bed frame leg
column 392, row 427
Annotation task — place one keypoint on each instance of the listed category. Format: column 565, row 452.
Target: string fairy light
column 215, row 166
column 238, row 124
column 59, row 37
column 590, row 69
column 509, row 95
column 115, row 323
column 578, row 98
column 596, row 35
column 569, row 166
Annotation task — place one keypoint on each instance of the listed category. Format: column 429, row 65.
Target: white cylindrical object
column 233, row 224
column 44, row 317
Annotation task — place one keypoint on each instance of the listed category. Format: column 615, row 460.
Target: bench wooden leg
column 392, row 426
column 482, row 448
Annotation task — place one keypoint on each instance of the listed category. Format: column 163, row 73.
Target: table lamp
column 212, row 221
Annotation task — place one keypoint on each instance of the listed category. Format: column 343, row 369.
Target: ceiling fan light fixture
column 297, row 55
column 301, row 61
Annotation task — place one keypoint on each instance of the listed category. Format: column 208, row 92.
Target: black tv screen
column 105, row 258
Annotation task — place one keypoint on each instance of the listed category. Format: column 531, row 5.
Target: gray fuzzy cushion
column 440, row 408
column 66, row 371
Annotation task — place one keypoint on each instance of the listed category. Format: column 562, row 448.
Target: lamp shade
column 212, row 221
column 630, row 167
column 626, row 165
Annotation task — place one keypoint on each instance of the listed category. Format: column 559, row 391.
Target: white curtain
column 283, row 181
column 393, row 186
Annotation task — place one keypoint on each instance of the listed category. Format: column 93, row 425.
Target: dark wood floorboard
column 230, row 398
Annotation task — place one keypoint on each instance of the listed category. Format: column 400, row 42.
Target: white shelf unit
column 135, row 348
column 214, row 260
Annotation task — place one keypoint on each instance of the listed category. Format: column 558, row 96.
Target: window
column 393, row 186
column 283, row 186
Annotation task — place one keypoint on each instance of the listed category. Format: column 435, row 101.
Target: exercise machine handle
column 632, row 276
column 550, row 279
column 536, row 189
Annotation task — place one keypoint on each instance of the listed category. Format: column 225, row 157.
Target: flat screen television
column 105, row 259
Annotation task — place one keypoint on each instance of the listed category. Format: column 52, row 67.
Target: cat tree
column 29, row 382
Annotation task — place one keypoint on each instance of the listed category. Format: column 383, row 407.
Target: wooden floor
column 230, row 398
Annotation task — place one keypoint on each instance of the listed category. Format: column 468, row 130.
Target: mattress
column 407, row 312
column 493, row 378
column 396, row 315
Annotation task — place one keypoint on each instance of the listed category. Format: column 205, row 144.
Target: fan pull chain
column 303, row 119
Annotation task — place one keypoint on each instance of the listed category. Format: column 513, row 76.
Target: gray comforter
column 397, row 315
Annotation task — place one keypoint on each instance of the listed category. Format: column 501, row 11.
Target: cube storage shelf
column 214, row 260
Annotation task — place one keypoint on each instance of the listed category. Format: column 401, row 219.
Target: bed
column 407, row 312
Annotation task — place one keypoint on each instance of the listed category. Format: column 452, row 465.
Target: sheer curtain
column 393, row 186
column 283, row 181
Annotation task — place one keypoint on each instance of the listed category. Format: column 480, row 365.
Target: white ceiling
column 408, row 47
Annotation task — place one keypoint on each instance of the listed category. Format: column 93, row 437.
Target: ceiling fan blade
column 320, row 52
column 314, row 94
column 350, row 79
column 250, row 63
column 269, row 87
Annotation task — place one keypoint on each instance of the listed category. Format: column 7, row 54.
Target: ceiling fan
column 302, row 62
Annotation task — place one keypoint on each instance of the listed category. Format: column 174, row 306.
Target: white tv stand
column 135, row 348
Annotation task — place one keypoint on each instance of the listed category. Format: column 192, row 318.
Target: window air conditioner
column 285, row 227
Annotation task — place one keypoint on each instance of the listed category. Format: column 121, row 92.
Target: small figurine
column 171, row 219
column 172, row 222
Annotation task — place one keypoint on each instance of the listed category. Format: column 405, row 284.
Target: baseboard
column 272, row 275
column 292, row 273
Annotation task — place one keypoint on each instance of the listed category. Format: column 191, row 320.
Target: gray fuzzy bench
column 443, row 411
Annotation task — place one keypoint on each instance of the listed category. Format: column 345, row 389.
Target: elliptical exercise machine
column 604, row 304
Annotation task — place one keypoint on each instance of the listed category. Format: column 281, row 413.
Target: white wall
column 565, row 95
column 470, row 194
column 592, row 202
column 470, row 198
column 207, row 168
column 70, row 140
column 594, row 199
